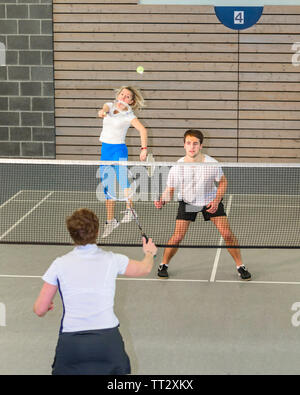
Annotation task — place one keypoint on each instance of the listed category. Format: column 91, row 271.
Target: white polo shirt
column 195, row 184
column 115, row 126
column 86, row 278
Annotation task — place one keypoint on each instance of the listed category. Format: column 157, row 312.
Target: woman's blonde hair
column 138, row 100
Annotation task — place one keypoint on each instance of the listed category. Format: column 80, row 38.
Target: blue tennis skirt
column 110, row 173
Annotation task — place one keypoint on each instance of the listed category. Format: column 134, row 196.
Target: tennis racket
column 151, row 168
column 119, row 107
column 143, row 234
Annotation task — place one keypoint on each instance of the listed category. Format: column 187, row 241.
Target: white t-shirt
column 196, row 184
column 86, row 279
column 115, row 126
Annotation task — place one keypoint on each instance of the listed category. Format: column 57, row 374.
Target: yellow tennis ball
column 140, row 69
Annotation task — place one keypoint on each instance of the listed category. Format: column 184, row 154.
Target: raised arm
column 143, row 267
column 103, row 112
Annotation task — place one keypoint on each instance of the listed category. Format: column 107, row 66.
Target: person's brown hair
column 83, row 226
column 195, row 133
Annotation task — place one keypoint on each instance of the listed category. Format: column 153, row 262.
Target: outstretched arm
column 143, row 267
column 103, row 112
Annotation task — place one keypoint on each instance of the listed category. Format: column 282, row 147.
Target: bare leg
column 181, row 228
column 223, row 227
column 110, row 209
column 127, row 195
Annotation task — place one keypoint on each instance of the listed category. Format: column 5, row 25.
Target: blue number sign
column 239, row 18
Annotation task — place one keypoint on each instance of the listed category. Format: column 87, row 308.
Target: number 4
column 239, row 17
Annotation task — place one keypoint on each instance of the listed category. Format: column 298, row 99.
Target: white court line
column 120, row 278
column 64, row 201
column 259, row 282
column 17, row 276
column 177, row 280
column 262, row 206
column 217, row 257
column 9, row 200
column 163, row 280
column 24, row 216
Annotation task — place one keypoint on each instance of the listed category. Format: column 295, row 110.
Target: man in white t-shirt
column 197, row 192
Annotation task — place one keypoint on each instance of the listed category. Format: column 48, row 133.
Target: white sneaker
column 128, row 216
column 109, row 227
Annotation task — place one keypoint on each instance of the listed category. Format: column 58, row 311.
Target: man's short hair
column 83, row 226
column 195, row 133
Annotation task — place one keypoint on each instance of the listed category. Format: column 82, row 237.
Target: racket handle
column 144, row 235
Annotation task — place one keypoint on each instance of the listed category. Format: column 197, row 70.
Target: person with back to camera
column 89, row 339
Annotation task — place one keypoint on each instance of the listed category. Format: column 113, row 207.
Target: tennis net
column 262, row 201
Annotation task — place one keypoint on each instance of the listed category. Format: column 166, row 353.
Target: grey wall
column 26, row 79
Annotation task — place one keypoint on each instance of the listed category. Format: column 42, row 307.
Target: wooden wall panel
column 240, row 88
column 269, row 91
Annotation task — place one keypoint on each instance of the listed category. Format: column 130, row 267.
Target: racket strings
column 120, row 107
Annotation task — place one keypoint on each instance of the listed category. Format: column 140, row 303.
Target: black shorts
column 188, row 212
column 94, row 352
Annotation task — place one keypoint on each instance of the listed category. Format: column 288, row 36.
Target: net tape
column 262, row 201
